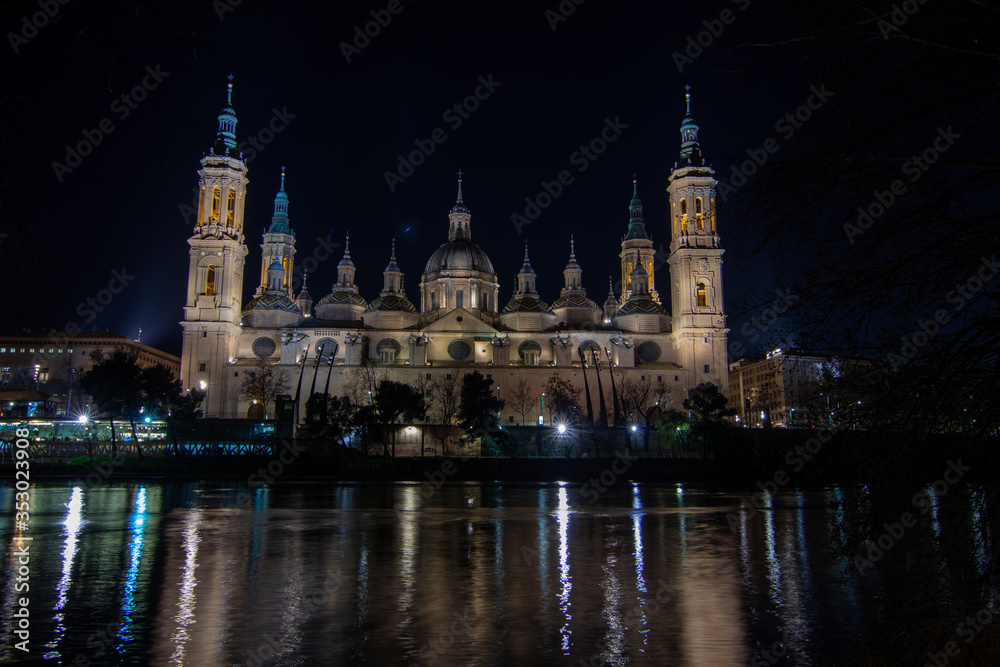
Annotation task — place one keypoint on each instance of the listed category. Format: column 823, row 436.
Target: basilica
column 460, row 322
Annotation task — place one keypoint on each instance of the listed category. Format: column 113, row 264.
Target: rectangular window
column 510, row 418
column 659, row 378
column 531, row 358
column 31, row 350
column 3, row 349
column 675, row 379
column 708, row 369
column 236, row 374
column 459, row 298
column 448, row 376
column 428, row 376
column 489, row 376
column 433, row 300
column 388, row 356
column 202, row 367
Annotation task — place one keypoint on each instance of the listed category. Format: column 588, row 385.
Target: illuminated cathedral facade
column 463, row 322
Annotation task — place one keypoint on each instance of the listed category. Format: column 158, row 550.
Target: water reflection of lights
column 566, row 585
column 409, row 532
column 614, row 637
column 187, row 599
column 773, row 566
column 71, row 531
column 137, row 525
column 640, row 565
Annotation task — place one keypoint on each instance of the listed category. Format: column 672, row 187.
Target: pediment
column 460, row 321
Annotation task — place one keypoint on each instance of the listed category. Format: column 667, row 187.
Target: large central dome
column 459, row 274
column 461, row 256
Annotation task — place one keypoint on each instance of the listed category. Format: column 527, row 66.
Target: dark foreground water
column 402, row 574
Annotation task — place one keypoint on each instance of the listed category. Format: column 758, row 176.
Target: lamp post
column 541, row 417
column 298, row 393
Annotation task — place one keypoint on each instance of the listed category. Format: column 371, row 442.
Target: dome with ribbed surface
column 459, row 255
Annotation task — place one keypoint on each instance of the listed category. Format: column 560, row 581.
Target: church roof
column 459, row 255
column 390, row 303
column 341, row 297
column 527, row 305
column 575, row 301
column 274, row 302
column 641, row 307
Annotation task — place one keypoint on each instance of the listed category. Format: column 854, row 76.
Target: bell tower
column 215, row 266
column 697, row 307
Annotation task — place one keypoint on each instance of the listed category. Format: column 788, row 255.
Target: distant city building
column 37, row 370
column 790, row 388
column 459, row 323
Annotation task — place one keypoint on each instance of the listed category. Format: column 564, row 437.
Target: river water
column 208, row 574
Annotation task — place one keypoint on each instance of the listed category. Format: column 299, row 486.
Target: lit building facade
column 53, row 364
column 785, row 389
column 462, row 323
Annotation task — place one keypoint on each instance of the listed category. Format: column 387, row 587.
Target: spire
column 226, row 137
column 636, row 227
column 526, row 267
column 459, row 203
column 346, row 261
column 279, row 221
column 572, row 264
column 459, row 217
column 392, row 276
column 690, row 149
column 572, row 275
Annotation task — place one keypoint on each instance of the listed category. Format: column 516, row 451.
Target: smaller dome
column 390, row 303
column 641, row 308
column 527, row 305
column 274, row 302
column 573, row 302
column 339, row 298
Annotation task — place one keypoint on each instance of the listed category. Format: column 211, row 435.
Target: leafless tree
column 263, row 383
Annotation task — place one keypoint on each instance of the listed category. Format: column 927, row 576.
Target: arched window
column 684, row 215
column 216, row 202
column 230, row 207
column 698, row 214
column 210, row 280
column 628, row 275
column 702, row 295
column 712, row 213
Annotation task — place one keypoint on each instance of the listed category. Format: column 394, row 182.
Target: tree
column 478, row 413
column 708, row 405
column 331, row 417
column 563, row 399
column 520, row 399
column 114, row 382
column 674, row 428
column 392, row 403
column 263, row 383
column 163, row 393
column 445, row 394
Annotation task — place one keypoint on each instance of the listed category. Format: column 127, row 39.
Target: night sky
column 557, row 80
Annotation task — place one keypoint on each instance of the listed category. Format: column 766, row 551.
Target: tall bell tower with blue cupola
column 217, row 256
column 697, row 307
column 278, row 243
